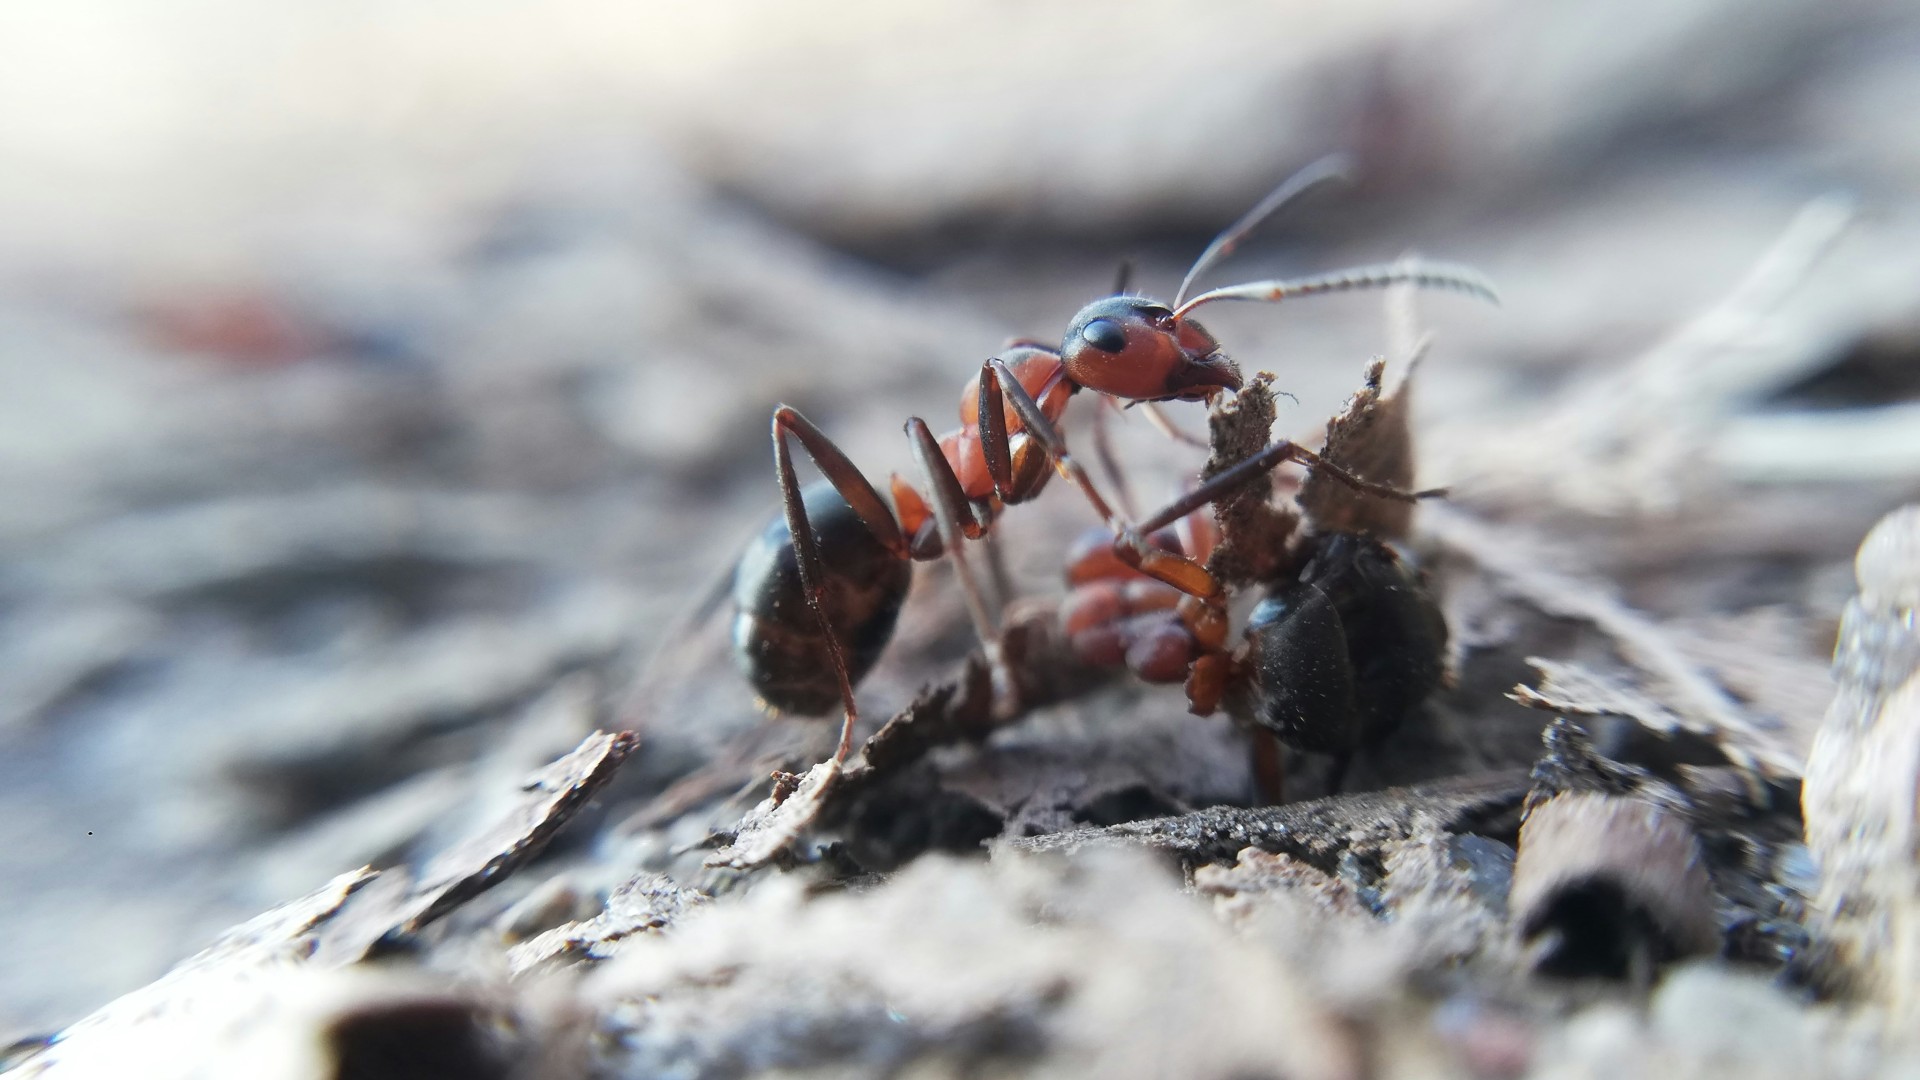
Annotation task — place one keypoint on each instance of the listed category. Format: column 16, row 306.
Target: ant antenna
column 1426, row 275
column 1123, row 279
column 1331, row 167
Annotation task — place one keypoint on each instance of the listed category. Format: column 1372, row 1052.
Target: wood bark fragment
column 550, row 798
column 1861, row 797
column 1316, row 831
column 779, row 819
column 1610, row 886
column 1254, row 532
column 944, row 713
column 645, row 903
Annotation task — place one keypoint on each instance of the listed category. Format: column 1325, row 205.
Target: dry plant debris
column 1372, row 437
column 408, row 624
column 1386, row 926
column 1862, row 806
column 1682, row 694
column 399, row 908
column 1320, row 831
column 784, row 816
column 1630, row 439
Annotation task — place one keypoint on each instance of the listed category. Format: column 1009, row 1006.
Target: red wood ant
column 817, row 593
column 1340, row 649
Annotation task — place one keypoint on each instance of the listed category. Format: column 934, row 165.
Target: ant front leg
column 1229, row 480
column 1001, row 389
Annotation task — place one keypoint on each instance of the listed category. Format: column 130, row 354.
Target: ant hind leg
column 867, row 505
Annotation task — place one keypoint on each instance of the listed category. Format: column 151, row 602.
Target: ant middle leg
column 956, row 521
column 1104, row 406
column 1158, row 418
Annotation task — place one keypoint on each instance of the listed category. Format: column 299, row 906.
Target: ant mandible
column 817, row 593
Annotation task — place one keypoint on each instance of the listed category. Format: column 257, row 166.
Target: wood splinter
column 1610, row 887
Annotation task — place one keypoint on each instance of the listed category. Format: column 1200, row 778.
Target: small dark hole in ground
column 426, row 1040
column 892, row 827
column 1136, row 802
column 1599, row 932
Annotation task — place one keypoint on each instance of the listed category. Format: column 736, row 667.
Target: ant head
column 1138, row 349
column 1142, row 350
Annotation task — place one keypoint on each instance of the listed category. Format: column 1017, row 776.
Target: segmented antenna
column 1331, row 167
column 1426, row 275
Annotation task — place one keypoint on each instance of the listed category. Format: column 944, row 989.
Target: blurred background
column 381, row 387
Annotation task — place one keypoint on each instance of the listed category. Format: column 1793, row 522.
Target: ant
column 1344, row 644
column 818, row 591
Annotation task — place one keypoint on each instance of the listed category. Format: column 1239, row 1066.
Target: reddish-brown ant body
column 817, row 593
column 1339, row 650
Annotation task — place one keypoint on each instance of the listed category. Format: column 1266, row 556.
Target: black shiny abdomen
column 1345, row 652
column 776, row 640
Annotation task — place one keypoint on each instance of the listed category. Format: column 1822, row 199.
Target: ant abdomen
column 1343, row 653
column 776, row 641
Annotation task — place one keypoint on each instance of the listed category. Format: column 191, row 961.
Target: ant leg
column 1358, row 483
column 997, row 384
column 1225, row 482
column 953, row 516
column 839, row 471
column 997, row 574
column 1268, row 759
column 867, row 505
column 998, row 388
column 1158, row 418
column 1103, row 453
column 1337, row 776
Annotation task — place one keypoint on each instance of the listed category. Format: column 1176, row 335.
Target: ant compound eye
column 1105, row 335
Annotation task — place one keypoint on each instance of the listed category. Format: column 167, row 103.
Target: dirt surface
column 384, row 398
